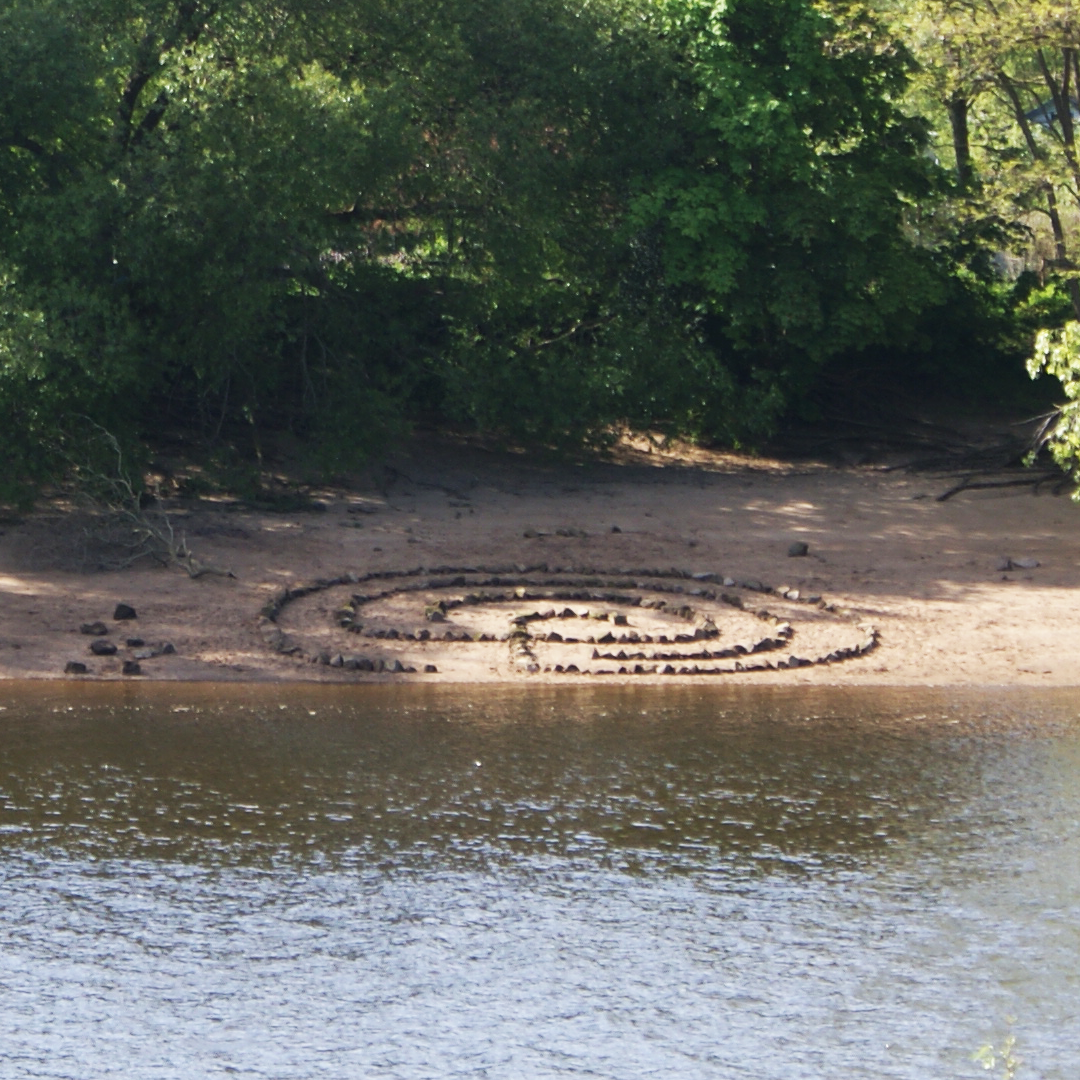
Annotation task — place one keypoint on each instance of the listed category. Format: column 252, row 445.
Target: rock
column 131, row 667
column 619, row 620
column 350, row 663
column 96, row 629
column 167, row 649
column 1025, row 564
column 530, row 534
column 124, row 611
column 729, row 582
column 704, row 575
column 103, row 648
column 323, row 658
column 1003, row 564
column 798, row 549
column 616, row 529
column 145, row 654
column 75, row 667
column 134, row 643
column 397, row 667
column 337, row 661
column 365, row 664
column 430, row 669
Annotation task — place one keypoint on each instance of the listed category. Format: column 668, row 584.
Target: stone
column 103, row 648
column 1003, row 564
column 619, row 620
column 167, row 649
column 323, row 658
column 364, row 663
column 430, row 669
column 729, row 582
column 96, row 629
column 131, row 667
column 798, row 549
column 337, row 661
column 124, row 611
column 144, row 654
column 75, row 667
column 1025, row 564
column 616, row 529
column 134, row 643
column 397, row 667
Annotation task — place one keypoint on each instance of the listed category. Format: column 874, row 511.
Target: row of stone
column 439, row 579
column 367, row 663
column 767, row 644
column 867, row 645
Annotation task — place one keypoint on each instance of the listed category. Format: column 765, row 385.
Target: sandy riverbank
column 883, row 554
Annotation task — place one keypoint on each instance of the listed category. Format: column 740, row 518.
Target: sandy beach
column 496, row 567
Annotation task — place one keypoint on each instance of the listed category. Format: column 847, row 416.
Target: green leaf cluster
column 541, row 218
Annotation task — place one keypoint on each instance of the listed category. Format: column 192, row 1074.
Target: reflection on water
column 347, row 882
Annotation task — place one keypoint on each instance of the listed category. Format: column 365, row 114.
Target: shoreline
column 931, row 579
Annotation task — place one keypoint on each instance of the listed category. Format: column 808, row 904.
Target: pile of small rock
column 102, row 646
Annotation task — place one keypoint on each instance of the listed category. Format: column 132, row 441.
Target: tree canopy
column 541, row 218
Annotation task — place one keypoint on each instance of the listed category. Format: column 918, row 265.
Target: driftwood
column 971, row 484
column 142, row 529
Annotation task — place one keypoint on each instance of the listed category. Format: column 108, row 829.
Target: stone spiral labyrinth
column 576, row 622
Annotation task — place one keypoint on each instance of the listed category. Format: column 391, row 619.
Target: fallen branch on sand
column 141, row 527
column 971, row 484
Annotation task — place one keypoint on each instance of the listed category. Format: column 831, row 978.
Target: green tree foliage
column 784, row 217
column 541, row 217
column 1003, row 79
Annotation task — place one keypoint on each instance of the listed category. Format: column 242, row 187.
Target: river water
column 434, row 882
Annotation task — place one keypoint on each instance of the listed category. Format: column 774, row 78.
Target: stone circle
column 576, row 621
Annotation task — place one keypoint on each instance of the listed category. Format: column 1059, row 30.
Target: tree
column 783, row 219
